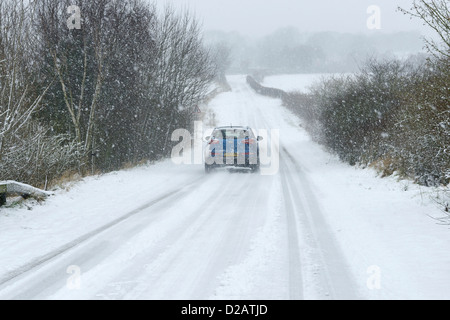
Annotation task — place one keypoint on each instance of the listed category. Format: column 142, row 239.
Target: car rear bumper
column 235, row 161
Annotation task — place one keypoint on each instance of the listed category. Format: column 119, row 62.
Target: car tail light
column 214, row 141
column 249, row 141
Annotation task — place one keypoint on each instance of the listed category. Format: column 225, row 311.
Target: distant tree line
column 99, row 97
column 291, row 51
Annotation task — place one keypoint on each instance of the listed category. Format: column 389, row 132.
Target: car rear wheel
column 254, row 168
column 2, row 199
column 208, row 168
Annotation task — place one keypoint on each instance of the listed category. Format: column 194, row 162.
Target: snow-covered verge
column 390, row 231
column 31, row 230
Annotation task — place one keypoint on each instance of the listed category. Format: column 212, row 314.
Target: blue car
column 232, row 146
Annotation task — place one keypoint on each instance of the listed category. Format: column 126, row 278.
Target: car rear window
column 232, row 133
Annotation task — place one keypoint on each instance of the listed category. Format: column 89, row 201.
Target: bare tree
column 183, row 73
column 436, row 14
column 78, row 58
column 129, row 72
column 221, row 53
column 18, row 99
column 28, row 152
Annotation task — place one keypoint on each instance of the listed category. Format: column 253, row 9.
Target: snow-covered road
column 310, row 228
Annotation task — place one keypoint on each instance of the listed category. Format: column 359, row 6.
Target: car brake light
column 249, row 141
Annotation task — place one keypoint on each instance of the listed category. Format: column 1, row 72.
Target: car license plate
column 230, row 154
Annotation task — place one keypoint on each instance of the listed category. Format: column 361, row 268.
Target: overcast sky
column 261, row 17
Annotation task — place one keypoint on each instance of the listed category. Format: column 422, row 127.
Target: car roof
column 233, row 127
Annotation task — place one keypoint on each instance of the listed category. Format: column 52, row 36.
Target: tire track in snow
column 325, row 272
column 295, row 265
column 317, row 269
column 190, row 266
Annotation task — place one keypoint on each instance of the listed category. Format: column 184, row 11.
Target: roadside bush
column 37, row 157
column 354, row 111
column 392, row 115
column 308, row 112
column 420, row 136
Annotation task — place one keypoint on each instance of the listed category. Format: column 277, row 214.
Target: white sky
column 261, row 17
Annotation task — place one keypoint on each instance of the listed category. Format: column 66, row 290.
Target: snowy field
column 313, row 228
column 294, row 82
